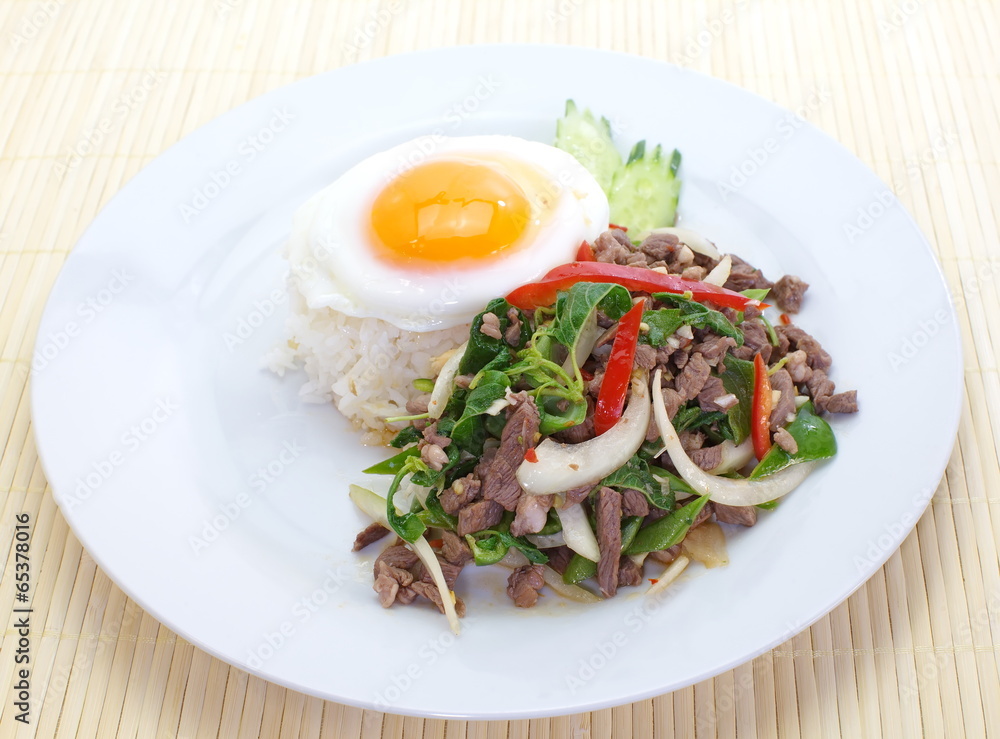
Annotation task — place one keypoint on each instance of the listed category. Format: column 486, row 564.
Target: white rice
column 366, row 366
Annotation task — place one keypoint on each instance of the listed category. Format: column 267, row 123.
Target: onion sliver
column 733, row 457
column 669, row 575
column 577, row 533
column 723, row 489
column 562, row 467
column 720, row 273
column 445, row 383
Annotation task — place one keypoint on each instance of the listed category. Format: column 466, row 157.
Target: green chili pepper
column 579, row 569
column 393, row 464
column 667, row 531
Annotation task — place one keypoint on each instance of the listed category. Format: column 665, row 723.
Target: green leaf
column 738, row 380
column 697, row 315
column 635, row 475
column 392, row 465
column 815, row 440
column 575, row 307
column 662, row 325
column 482, row 348
column 492, row 545
column 435, row 516
column 405, row 437
column 667, row 531
column 675, row 484
column 756, row 293
column 469, row 431
column 408, row 526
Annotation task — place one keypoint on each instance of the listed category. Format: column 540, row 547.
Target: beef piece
column 388, row 581
column 694, row 272
column 513, row 333
column 478, row 516
column 418, row 405
column 604, row 321
column 397, row 556
column 371, row 534
column 713, row 391
column 491, row 326
column 785, row 406
column 788, row 293
column 751, row 312
column 462, row 492
column 693, row 378
column 708, row 458
column 433, row 437
column 703, row 515
column 434, row 456
column 634, row 503
column 594, row 386
column 405, row 596
column 636, row 259
column 429, row 591
column 645, row 356
column 786, row 441
column 659, row 247
column 820, row 388
column 742, row 515
column 612, row 247
column 454, row 549
column 576, row 495
column 559, row 558
column 580, row 432
column 673, row 401
column 449, row 570
column 653, row 430
column 745, row 276
column 463, row 381
column 609, row 539
column 714, row 347
column 681, row 259
column 797, row 367
column 499, row 481
column 681, row 356
column 629, row 573
column 816, row 356
column 532, row 513
column 523, row 585
column 666, row 556
column 691, row 440
column 663, row 353
column 755, row 339
column 843, row 402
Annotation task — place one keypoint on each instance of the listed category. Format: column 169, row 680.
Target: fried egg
column 422, row 235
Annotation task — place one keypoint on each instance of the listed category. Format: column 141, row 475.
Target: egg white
column 333, row 262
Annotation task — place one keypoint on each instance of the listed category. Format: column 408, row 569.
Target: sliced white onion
column 720, row 273
column 553, row 579
column 670, row 574
column 706, row 544
column 723, row 489
column 693, row 239
column 577, row 533
column 445, row 383
column 585, row 343
column 733, row 457
column 374, row 506
column 547, row 541
column 560, row 467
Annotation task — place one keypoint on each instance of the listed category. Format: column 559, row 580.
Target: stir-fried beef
column 659, row 247
column 784, row 410
column 708, row 458
column 691, row 440
column 714, row 347
column 431, row 593
column 816, row 355
column 491, row 326
column 742, row 515
column 629, row 573
column 388, row 581
column 673, row 401
column 755, row 340
column 712, row 393
column 843, row 402
column 613, row 247
column 703, row 515
column 694, row 272
column 523, row 585
column 693, row 377
column 462, row 492
column 559, row 558
column 745, row 276
column 513, row 333
column 499, row 481
column 580, row 432
column 419, row 404
column 532, row 513
column 797, row 367
column 820, row 388
column 433, row 437
column 371, row 533
column 609, row 539
column 397, row 556
column 788, row 292
column 576, row 495
column 454, row 549
column 666, row 556
column 477, row 516
column 434, row 456
column 786, row 441
column 634, row 503
column 645, row 356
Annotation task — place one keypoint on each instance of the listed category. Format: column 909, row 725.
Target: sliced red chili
column 614, row 387
column 585, row 253
column 436, row 543
column 760, row 416
column 785, row 318
column 620, row 228
column 530, row 456
column 543, row 293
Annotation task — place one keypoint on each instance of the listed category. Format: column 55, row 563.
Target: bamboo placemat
column 91, row 91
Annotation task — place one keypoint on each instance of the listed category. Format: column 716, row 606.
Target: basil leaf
column 408, row 526
column 738, row 380
column 635, row 475
column 662, row 324
column 697, row 315
column 483, row 348
column 469, row 432
column 489, row 546
column 576, row 307
column 405, row 437
column 756, row 293
column 812, row 434
column 674, row 483
column 435, row 516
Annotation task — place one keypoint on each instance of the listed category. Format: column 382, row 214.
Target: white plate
column 154, row 419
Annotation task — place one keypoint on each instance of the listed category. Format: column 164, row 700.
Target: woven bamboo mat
column 91, row 91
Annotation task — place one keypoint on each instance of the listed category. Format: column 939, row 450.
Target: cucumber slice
column 644, row 192
column 589, row 141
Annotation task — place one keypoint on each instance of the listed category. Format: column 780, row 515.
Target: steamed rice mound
column 366, row 366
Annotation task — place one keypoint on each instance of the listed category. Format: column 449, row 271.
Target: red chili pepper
column 620, row 228
column 530, row 456
column 785, row 318
column 543, row 293
column 588, row 376
column 585, row 253
column 611, row 399
column 654, row 580
column 436, row 543
column 760, row 416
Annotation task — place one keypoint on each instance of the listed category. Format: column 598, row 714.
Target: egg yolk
column 446, row 211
